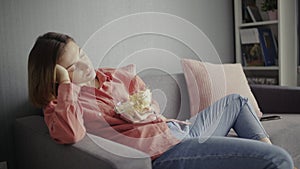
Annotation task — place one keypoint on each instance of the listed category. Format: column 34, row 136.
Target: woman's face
column 77, row 63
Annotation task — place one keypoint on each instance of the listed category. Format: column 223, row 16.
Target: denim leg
column 247, row 124
column 232, row 111
column 224, row 153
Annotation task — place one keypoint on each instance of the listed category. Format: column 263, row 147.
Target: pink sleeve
column 63, row 116
column 136, row 84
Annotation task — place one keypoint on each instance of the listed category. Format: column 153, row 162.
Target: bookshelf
column 284, row 70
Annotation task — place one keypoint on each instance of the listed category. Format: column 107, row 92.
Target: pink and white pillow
column 208, row 82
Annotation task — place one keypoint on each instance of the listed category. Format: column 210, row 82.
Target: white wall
column 21, row 21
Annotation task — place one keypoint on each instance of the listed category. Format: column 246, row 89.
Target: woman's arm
column 64, row 117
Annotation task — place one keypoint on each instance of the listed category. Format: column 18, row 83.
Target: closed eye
column 72, row 67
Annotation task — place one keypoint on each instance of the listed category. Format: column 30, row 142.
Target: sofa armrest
column 277, row 99
column 120, row 156
column 35, row 149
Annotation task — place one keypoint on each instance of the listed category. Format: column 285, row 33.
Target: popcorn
column 141, row 100
column 137, row 108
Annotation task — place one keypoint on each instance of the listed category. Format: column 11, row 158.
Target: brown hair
column 41, row 63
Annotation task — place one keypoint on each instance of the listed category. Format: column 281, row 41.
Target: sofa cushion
column 208, row 82
column 285, row 133
column 170, row 92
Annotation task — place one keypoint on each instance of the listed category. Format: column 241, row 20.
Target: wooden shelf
column 261, row 68
column 273, row 22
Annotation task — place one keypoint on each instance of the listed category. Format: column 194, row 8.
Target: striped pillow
column 208, row 82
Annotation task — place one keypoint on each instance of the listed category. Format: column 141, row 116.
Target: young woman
column 77, row 99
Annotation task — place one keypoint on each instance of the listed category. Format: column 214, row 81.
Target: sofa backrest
column 170, row 91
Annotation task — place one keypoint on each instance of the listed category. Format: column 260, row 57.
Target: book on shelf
column 262, row 80
column 254, row 13
column 268, row 45
column 251, row 47
column 246, row 18
column 258, row 47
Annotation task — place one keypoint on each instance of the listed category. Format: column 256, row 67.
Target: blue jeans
column 204, row 143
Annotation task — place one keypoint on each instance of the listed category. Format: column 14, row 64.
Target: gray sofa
column 34, row 148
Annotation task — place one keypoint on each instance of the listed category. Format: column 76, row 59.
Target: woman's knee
column 281, row 158
column 238, row 100
column 237, row 97
column 234, row 101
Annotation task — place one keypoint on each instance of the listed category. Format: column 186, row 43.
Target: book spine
column 251, row 14
column 268, row 46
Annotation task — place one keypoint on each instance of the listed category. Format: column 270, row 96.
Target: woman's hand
column 163, row 118
column 61, row 74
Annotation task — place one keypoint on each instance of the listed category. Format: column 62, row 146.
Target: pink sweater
column 78, row 110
